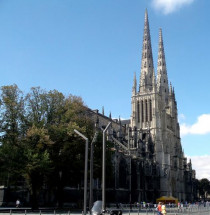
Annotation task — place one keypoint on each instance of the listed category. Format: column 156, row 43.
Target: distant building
column 149, row 160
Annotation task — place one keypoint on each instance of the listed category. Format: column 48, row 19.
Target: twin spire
column 147, row 78
column 162, row 77
column 147, row 66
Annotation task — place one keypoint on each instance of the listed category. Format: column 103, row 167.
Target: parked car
column 97, row 209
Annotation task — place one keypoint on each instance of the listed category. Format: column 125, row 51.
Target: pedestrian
column 163, row 209
column 159, row 208
column 17, row 203
column 179, row 205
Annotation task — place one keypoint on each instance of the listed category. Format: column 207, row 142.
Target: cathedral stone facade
column 149, row 160
column 154, row 114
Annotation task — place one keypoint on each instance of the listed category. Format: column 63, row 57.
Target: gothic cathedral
column 149, row 161
column 154, row 113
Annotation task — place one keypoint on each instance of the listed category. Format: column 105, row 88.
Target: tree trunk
column 33, row 198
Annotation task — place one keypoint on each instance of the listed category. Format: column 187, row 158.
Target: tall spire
column 147, row 67
column 162, row 77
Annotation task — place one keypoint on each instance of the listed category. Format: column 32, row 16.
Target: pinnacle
column 170, row 91
column 134, row 76
column 134, row 79
column 134, row 84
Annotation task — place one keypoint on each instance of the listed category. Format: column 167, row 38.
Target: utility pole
column 104, row 169
column 91, row 169
column 130, row 171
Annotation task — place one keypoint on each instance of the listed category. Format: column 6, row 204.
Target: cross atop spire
column 147, row 67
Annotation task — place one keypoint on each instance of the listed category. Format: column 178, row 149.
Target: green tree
column 69, row 150
column 38, row 142
column 36, row 107
column 98, row 160
column 12, row 129
column 204, row 187
column 37, row 161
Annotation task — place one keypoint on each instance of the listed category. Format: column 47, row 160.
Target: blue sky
column 91, row 48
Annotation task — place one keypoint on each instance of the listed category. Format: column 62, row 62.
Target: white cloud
column 201, row 164
column 169, row 6
column 202, row 126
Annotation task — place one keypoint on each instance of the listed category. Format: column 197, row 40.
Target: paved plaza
column 126, row 211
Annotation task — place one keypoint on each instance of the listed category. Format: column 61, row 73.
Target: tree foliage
column 11, row 132
column 38, row 144
column 204, row 188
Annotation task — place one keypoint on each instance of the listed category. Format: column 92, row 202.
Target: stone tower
column 154, row 116
column 148, row 158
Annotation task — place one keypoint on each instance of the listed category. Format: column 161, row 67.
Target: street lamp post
column 86, row 169
column 91, row 169
column 130, row 172
column 104, row 168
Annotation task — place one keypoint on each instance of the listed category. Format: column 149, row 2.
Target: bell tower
column 154, row 122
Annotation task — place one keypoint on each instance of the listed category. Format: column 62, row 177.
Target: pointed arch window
column 142, row 111
column 150, row 109
column 145, row 64
column 146, row 110
column 138, row 111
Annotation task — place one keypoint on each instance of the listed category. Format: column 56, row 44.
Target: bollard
column 54, row 211
column 68, row 212
column 25, row 212
column 129, row 212
column 40, row 212
column 10, row 212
